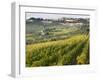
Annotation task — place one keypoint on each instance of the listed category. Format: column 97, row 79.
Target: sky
column 53, row 16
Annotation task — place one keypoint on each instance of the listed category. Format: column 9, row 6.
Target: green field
column 74, row 50
column 57, row 43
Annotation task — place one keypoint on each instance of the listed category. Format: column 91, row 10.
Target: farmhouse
column 71, row 21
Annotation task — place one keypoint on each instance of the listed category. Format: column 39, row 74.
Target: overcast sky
column 54, row 16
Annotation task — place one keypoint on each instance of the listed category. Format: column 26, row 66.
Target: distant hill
column 60, row 20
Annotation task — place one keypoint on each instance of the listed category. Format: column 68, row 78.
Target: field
column 52, row 43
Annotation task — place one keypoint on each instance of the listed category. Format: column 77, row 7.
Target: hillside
column 74, row 50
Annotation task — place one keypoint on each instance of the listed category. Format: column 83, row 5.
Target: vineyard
column 71, row 51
